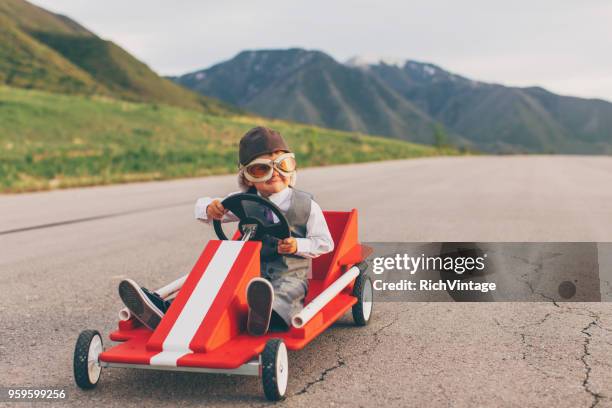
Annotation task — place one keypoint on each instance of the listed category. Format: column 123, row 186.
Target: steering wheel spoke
column 236, row 209
column 236, row 204
column 275, row 230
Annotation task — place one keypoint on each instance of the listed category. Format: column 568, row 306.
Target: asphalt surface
column 63, row 253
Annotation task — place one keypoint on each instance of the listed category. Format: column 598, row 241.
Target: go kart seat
column 325, row 268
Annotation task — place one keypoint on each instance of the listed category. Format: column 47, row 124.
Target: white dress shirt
column 318, row 240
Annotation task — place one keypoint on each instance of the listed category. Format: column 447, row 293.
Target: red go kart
column 204, row 330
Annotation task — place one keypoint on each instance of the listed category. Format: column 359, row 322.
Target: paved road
column 63, row 253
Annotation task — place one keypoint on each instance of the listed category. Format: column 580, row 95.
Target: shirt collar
column 279, row 197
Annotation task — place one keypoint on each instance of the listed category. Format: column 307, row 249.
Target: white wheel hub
column 366, row 300
column 282, row 368
column 93, row 365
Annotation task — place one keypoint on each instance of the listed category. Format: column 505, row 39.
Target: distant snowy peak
column 424, row 68
column 357, row 62
column 363, row 61
column 416, row 70
column 433, row 73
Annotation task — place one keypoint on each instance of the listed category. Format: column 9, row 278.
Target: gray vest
column 291, row 265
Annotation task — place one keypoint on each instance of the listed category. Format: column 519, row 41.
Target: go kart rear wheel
column 86, row 366
column 275, row 369
column 363, row 291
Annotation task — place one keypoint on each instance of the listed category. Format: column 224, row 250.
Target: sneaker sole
column 260, row 296
column 140, row 306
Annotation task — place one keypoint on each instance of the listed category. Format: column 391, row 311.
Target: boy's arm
column 201, row 205
column 318, row 239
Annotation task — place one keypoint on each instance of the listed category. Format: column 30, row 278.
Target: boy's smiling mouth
column 273, row 185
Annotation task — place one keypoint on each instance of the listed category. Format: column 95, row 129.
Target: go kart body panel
column 205, row 326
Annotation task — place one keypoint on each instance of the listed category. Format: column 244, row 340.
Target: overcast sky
column 562, row 45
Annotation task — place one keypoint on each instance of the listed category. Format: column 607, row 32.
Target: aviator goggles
column 262, row 169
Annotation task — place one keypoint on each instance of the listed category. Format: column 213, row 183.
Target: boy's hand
column 287, row 246
column 215, row 210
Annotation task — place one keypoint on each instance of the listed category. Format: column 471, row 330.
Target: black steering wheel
column 253, row 217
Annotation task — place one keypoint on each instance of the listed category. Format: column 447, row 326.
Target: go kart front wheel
column 275, row 369
column 363, row 291
column 86, row 366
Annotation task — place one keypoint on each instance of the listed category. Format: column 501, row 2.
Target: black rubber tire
column 358, row 291
column 268, row 370
column 81, row 352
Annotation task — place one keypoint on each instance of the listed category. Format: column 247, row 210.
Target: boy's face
column 277, row 183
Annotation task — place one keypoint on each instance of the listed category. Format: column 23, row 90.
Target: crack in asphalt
column 537, row 268
column 376, row 334
column 586, row 353
column 340, row 361
column 323, row 375
column 526, row 345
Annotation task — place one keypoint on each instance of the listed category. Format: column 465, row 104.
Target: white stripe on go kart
column 177, row 341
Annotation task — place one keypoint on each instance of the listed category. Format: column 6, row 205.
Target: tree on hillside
column 440, row 137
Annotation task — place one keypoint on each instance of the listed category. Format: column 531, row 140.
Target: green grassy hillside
column 26, row 63
column 122, row 74
column 32, row 18
column 47, row 51
column 52, row 141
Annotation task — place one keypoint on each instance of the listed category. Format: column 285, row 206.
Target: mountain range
column 47, row 51
column 414, row 101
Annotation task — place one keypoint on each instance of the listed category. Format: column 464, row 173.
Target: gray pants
column 289, row 279
column 289, row 294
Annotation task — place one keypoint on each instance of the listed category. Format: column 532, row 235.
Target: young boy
column 267, row 168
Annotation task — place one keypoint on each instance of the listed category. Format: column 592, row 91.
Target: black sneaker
column 162, row 305
column 277, row 324
column 139, row 304
column 260, row 295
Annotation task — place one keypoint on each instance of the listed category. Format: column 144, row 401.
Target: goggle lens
column 258, row 170
column 287, row 164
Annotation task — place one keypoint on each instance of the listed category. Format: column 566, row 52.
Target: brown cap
column 260, row 140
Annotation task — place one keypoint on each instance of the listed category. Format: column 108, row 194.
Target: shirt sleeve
column 318, row 239
column 201, row 205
